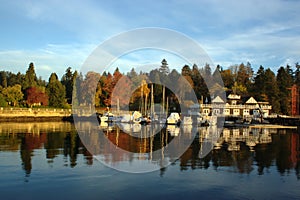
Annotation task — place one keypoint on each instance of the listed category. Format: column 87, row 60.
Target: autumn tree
column 56, row 92
column 36, row 95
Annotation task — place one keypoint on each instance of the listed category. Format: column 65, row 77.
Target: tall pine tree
column 56, row 92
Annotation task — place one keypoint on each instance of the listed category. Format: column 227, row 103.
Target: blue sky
column 56, row 35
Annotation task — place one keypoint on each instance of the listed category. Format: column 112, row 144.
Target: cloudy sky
column 56, row 35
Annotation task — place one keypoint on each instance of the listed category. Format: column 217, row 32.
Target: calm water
column 49, row 161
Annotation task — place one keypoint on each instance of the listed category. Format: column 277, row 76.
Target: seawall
column 34, row 114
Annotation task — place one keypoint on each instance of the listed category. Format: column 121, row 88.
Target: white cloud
column 51, row 58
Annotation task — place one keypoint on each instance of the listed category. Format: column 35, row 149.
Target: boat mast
column 163, row 100
column 152, row 101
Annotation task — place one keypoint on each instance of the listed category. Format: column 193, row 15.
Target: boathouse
column 234, row 106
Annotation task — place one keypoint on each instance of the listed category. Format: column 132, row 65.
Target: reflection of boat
column 233, row 147
column 130, row 128
column 219, row 143
column 187, row 129
column 174, row 118
column 125, row 118
column 187, row 120
column 173, row 130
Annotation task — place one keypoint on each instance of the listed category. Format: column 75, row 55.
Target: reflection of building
column 295, row 149
column 251, row 137
column 234, row 107
column 295, row 100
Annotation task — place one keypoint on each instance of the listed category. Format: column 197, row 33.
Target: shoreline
column 36, row 119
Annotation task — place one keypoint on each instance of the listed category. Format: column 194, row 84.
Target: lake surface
column 50, row 161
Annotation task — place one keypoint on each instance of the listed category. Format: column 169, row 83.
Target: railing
column 35, row 112
column 264, row 107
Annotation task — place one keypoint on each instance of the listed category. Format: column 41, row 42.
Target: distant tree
column 200, row 86
column 76, row 79
column 13, row 94
column 30, row 79
column 3, row 79
column 164, row 68
column 244, row 75
column 258, row 88
column 88, row 88
column 297, row 74
column 132, row 74
column 41, row 82
column 218, row 82
column 68, row 81
column 272, row 90
column 15, row 79
column 186, row 72
column 107, row 88
column 284, row 82
column 155, row 77
column 36, row 95
column 207, row 71
column 3, row 103
column 56, row 92
column 228, row 79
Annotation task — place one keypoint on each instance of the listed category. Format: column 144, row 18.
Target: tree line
column 26, row 90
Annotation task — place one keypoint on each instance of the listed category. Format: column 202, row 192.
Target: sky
column 55, row 35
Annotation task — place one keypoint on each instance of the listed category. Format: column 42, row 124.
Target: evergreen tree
column 272, row 90
column 228, row 79
column 258, row 88
column 297, row 75
column 132, row 73
column 30, row 79
column 56, row 92
column 3, row 79
column 284, row 82
column 164, row 68
column 68, row 81
column 200, row 86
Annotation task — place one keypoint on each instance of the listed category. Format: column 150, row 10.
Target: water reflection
column 241, row 150
column 55, row 138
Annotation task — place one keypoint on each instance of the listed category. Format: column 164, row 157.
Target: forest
column 26, row 90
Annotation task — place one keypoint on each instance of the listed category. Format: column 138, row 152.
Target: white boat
column 107, row 117
column 126, row 118
column 173, row 118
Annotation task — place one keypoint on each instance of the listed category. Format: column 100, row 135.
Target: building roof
column 251, row 100
column 217, row 100
column 234, row 96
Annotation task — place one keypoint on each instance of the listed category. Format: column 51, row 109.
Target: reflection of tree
column 71, row 147
column 54, row 144
column 29, row 142
column 284, row 151
column 283, row 160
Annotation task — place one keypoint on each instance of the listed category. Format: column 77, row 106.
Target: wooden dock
column 272, row 126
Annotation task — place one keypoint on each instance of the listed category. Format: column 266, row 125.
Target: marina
column 40, row 156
